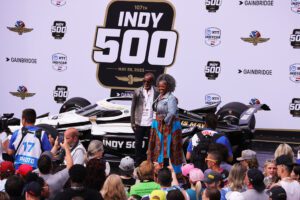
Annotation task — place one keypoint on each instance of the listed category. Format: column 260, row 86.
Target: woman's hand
column 56, row 143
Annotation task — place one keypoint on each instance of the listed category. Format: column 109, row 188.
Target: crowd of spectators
column 67, row 170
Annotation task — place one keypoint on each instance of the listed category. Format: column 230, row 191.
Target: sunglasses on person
column 147, row 81
column 208, row 159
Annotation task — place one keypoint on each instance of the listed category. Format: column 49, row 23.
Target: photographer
column 4, row 141
column 5, row 134
column 28, row 143
column 78, row 152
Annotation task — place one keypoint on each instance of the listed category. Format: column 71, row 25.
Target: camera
column 60, row 138
column 7, row 120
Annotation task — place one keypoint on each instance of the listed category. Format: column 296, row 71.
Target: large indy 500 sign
column 220, row 51
column 137, row 38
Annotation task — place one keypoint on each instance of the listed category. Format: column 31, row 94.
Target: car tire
column 232, row 112
column 74, row 103
column 48, row 129
column 239, row 140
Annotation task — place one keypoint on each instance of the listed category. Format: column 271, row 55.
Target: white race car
column 109, row 121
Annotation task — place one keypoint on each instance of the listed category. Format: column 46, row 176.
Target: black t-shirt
column 85, row 193
column 128, row 183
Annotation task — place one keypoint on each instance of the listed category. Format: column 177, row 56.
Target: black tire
column 49, row 129
column 74, row 103
column 232, row 112
column 239, row 140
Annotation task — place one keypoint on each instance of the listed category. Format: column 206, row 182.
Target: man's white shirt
column 147, row 115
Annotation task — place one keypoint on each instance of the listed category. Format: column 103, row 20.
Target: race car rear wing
column 246, row 116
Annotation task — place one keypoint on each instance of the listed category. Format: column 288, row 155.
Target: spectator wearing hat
column 126, row 169
column 254, row 181
column 284, row 165
column 33, row 191
column 185, row 169
column 195, row 177
column 33, row 177
column 248, row 159
column 158, row 195
column 277, row 193
column 212, row 180
column 45, row 188
column 57, row 180
column 6, row 170
column 14, row 187
column 145, row 174
column 213, row 161
column 23, row 170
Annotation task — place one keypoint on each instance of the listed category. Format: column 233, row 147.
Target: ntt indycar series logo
column 212, row 70
column 212, row 5
column 59, row 62
column 137, row 37
column 295, row 6
column 295, row 107
column 295, row 39
column 212, row 98
column 212, row 36
column 295, row 73
column 257, row 3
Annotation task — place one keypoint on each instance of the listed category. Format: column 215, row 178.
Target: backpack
column 24, row 131
column 199, row 152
